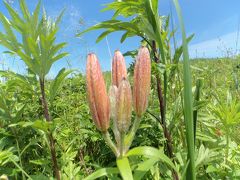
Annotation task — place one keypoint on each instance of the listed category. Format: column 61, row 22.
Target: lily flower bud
column 119, row 70
column 124, row 106
column 142, row 80
column 97, row 94
column 113, row 93
column 113, row 90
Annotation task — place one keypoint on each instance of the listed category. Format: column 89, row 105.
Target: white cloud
column 224, row 45
column 73, row 17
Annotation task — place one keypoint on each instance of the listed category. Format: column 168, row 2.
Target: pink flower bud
column 124, row 106
column 119, row 70
column 97, row 94
column 113, row 90
column 113, row 94
column 142, row 80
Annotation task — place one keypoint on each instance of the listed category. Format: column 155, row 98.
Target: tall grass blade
column 188, row 99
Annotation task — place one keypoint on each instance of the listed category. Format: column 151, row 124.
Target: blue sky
column 214, row 23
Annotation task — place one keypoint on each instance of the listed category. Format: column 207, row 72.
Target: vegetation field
column 164, row 117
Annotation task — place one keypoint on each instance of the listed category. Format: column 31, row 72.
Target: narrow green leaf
column 56, row 48
column 59, row 18
column 103, row 35
column 24, row 9
column 57, row 82
column 39, row 177
column 151, row 153
column 133, row 53
column 102, row 172
column 59, row 56
column 38, row 124
column 124, row 168
column 144, row 167
column 179, row 50
column 188, row 103
column 4, row 41
column 15, row 17
column 9, row 33
column 124, row 36
column 36, row 14
column 151, row 15
column 154, row 5
column 196, row 100
column 114, row 25
column 183, row 175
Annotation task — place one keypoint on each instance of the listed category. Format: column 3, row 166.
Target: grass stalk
column 188, row 99
column 195, row 112
column 20, row 157
column 227, row 147
column 21, row 169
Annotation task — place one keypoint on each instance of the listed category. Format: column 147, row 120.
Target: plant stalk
column 161, row 100
column 116, row 133
column 122, row 144
column 162, row 107
column 129, row 138
column 20, row 158
column 110, row 143
column 50, row 136
column 19, row 153
column 227, row 147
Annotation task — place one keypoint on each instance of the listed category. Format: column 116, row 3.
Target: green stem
column 129, row 138
column 18, row 150
column 20, row 158
column 227, row 148
column 116, row 133
column 110, row 143
column 122, row 135
column 181, row 97
column 20, row 168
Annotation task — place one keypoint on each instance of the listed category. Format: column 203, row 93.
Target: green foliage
column 138, row 167
column 81, row 146
column 57, row 82
column 38, row 48
column 81, row 152
column 228, row 112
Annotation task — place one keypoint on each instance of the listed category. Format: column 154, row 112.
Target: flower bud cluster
column 118, row 103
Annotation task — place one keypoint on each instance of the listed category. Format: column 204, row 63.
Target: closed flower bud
column 97, row 94
column 113, row 93
column 119, row 70
column 142, row 80
column 113, row 90
column 124, row 106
